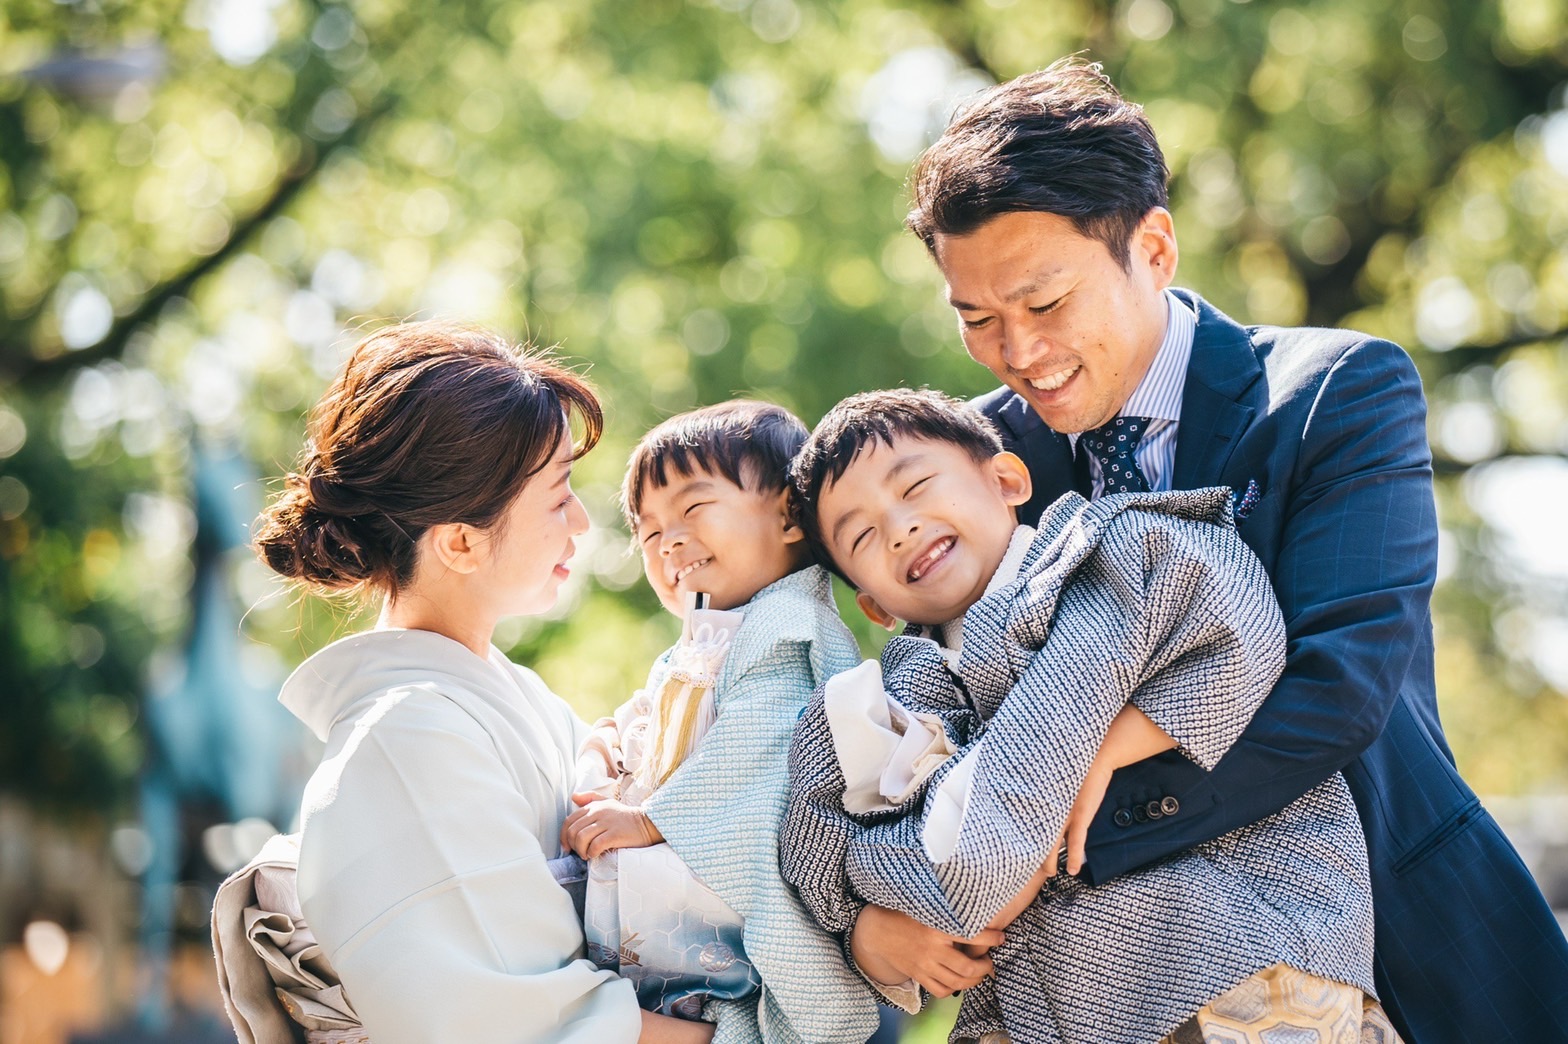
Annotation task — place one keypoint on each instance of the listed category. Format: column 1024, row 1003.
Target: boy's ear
column 874, row 612
column 455, row 545
column 793, row 534
column 1013, row 476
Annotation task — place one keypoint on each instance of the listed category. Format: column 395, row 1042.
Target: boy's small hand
column 601, row 825
column 892, row 948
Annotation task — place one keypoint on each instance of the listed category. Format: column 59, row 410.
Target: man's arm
column 1354, row 575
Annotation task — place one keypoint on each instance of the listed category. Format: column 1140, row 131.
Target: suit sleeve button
column 1122, row 818
column 1170, row 806
column 1154, row 809
column 1140, row 813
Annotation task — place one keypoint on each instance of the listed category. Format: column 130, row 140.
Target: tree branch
column 1465, row 356
column 27, row 368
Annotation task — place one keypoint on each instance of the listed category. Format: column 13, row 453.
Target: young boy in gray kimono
column 683, row 788
column 940, row 782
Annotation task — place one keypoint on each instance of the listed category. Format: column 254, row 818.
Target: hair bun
column 333, row 497
column 303, row 539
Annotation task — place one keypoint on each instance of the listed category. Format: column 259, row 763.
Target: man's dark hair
column 1059, row 141
column 880, row 417
column 748, row 442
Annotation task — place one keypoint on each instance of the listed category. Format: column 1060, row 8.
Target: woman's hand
column 602, row 824
column 893, row 948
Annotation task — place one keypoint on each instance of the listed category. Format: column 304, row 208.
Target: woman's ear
column 454, row 545
column 874, row 612
column 1013, row 477
column 793, row 534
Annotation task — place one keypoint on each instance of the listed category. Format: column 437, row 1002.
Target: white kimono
column 425, row 834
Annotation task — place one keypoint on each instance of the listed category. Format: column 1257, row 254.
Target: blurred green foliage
column 198, row 199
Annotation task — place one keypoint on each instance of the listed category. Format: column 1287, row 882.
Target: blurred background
column 202, row 201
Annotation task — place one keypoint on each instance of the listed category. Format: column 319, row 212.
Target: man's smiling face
column 1053, row 314
column 920, row 526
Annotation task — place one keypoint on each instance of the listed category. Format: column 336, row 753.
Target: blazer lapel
column 1222, row 368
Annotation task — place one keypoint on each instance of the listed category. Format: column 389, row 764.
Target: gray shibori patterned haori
column 1147, row 598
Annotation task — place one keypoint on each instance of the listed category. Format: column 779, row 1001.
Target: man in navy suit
column 1044, row 206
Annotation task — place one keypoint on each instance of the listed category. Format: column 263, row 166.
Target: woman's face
column 524, row 556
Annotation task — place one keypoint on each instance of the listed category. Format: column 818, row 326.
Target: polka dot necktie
column 1112, row 445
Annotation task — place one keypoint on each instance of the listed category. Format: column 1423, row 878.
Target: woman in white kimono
column 437, row 476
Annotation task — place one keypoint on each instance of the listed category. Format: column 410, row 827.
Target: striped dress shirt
column 1158, row 397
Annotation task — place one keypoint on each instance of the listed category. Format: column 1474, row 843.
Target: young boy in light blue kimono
column 684, row 787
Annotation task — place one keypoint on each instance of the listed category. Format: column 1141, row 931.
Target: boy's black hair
column 880, row 416
column 748, row 442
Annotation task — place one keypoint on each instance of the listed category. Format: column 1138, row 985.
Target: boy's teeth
column 687, row 569
column 919, row 568
column 1053, row 381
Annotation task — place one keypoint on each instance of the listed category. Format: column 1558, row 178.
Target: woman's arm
column 422, row 878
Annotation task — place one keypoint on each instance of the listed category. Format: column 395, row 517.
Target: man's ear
column 1012, row 474
column 1155, row 244
column 455, row 545
column 793, row 534
column 874, row 612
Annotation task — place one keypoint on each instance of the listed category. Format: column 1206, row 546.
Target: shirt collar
column 951, row 634
column 1158, row 395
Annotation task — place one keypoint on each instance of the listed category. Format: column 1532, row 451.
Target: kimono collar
column 321, row 690
column 951, row 634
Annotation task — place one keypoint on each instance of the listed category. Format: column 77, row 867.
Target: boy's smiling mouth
column 689, row 568
column 933, row 555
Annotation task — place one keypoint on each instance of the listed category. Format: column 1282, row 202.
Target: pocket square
column 1248, row 501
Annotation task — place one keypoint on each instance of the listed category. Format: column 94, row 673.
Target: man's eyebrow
column 1033, row 287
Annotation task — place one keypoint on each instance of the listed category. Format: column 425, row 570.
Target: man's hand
column 1131, row 738
column 893, row 948
column 1075, row 833
column 602, row 824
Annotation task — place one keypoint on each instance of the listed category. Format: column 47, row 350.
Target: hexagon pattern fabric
column 1283, row 1005
column 649, row 918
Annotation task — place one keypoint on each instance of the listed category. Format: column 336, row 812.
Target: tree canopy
column 200, row 202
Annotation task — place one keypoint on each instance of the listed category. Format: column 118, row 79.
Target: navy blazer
column 1327, row 429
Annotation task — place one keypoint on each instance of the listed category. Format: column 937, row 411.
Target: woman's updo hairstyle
column 428, row 423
